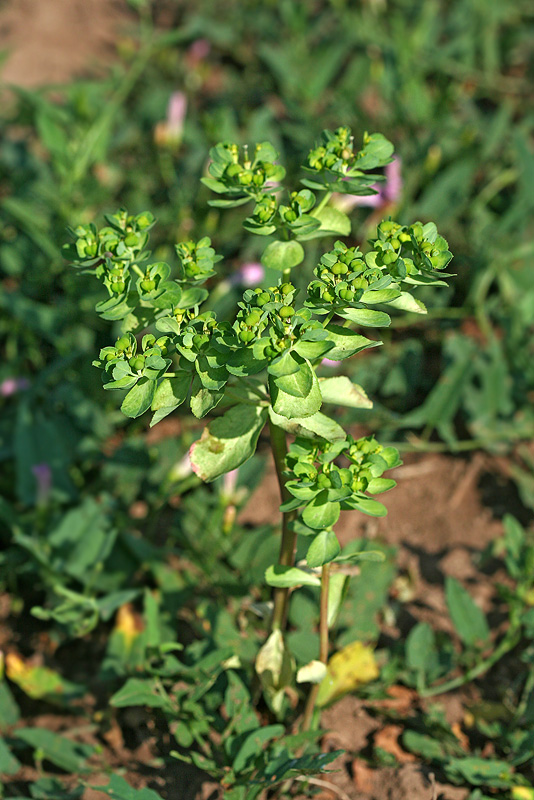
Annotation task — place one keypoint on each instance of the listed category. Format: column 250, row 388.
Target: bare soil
column 52, row 41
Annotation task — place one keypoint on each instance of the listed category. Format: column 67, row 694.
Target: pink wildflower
column 171, row 130
column 198, row 52
column 249, row 274
column 327, row 362
column 11, row 386
column 388, row 192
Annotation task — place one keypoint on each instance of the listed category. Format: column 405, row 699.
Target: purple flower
column 249, row 274
column 388, row 192
column 11, row 386
column 43, row 476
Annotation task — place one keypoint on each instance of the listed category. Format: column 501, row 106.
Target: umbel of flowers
column 259, row 367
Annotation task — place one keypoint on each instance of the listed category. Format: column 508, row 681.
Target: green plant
column 261, row 366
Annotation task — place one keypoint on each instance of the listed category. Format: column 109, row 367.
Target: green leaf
column 362, row 555
column 64, row 753
column 482, row 771
column 424, row 746
column 282, row 255
column 243, row 362
column 9, row 710
column 119, row 789
column 287, row 577
column 421, row 648
column 170, row 394
column 333, row 222
column 346, row 342
column 321, row 513
column 379, row 485
column 323, row 549
column 367, row 506
column 313, row 350
column 228, row 441
column 366, row 316
column 54, row 789
column 139, row 399
column 253, row 745
column 9, row 765
column 468, row 619
column 141, row 692
column 341, row 391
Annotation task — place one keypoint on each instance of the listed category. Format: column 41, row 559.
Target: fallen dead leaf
column 363, row 776
column 461, row 736
column 400, row 699
column 387, row 739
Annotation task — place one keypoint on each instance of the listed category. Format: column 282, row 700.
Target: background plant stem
column 287, row 544
column 323, row 645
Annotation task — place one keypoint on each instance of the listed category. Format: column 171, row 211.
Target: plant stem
column 287, row 545
column 507, row 644
column 324, row 201
column 323, row 645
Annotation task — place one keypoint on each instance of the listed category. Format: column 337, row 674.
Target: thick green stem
column 287, row 545
column 323, row 646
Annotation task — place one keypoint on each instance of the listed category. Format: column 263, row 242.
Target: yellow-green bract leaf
column 298, row 381
column 333, row 221
column 295, row 405
column 316, row 425
column 324, row 547
column 341, row 391
column 372, row 297
column 337, row 589
column 274, row 663
column 282, row 255
column 228, row 441
column 170, row 393
column 346, row 670
column 407, row 302
column 286, row 577
column 139, row 399
column 321, row 513
column 314, row 672
column 369, row 317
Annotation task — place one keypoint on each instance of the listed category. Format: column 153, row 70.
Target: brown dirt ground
column 51, row 41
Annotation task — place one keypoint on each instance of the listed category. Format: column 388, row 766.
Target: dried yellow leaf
column 351, row 667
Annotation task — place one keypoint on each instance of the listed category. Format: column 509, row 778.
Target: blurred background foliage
column 450, row 83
